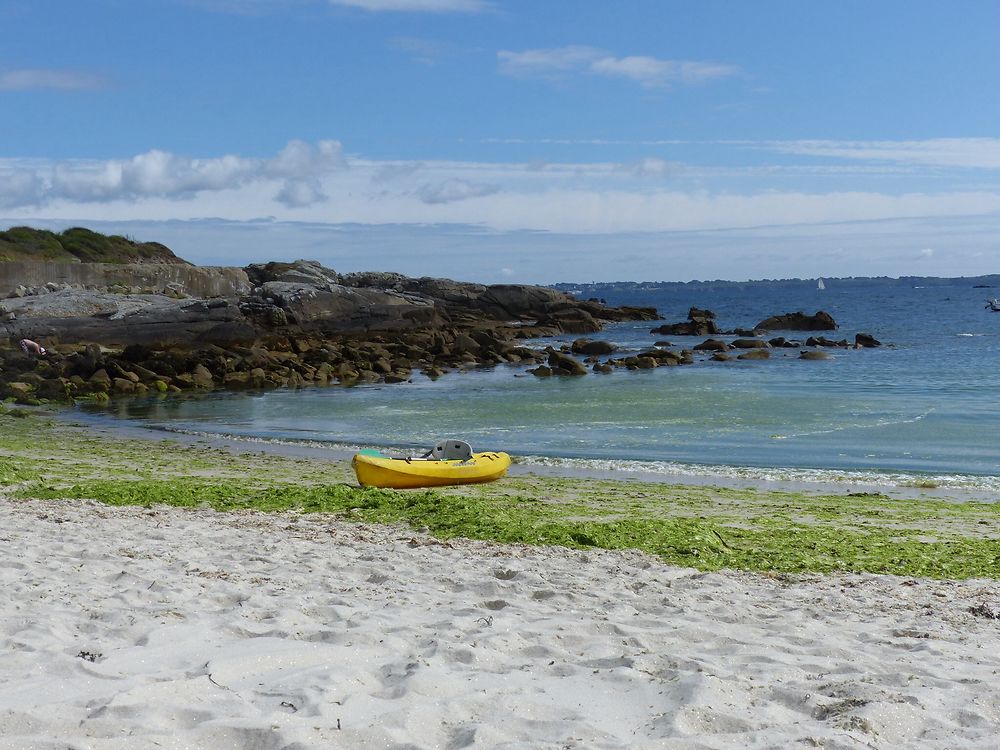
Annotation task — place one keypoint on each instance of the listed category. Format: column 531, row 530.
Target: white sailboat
column 820, row 285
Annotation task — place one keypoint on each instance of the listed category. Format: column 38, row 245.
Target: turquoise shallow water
column 922, row 409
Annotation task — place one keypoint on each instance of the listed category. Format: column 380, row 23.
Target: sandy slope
column 134, row 628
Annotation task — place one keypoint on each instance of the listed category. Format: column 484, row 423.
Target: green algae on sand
column 709, row 528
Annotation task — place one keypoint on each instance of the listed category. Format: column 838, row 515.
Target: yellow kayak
column 376, row 470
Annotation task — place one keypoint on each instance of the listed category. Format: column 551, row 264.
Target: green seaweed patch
column 700, row 526
column 779, row 545
column 14, row 472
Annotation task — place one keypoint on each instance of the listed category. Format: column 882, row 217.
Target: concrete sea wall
column 195, row 281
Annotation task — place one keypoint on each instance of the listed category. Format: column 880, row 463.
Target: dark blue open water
column 923, row 409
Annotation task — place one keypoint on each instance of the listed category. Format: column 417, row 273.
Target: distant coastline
column 603, row 287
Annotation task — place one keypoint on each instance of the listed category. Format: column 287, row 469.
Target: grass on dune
column 703, row 527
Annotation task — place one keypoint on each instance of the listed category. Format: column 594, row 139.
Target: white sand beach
column 168, row 628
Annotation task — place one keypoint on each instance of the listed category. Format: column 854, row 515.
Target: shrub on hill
column 77, row 245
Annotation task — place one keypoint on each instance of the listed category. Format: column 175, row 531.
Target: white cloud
column 159, row 174
column 395, row 171
column 299, row 159
column 650, row 166
column 648, row 71
column 453, row 190
column 927, row 252
column 297, row 193
column 545, row 61
column 943, row 152
column 652, row 72
column 314, row 182
column 30, row 79
column 417, row 6
column 21, row 188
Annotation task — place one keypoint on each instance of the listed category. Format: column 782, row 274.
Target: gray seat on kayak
column 451, row 450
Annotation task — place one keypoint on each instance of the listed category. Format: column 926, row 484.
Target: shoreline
column 560, row 468
column 707, row 526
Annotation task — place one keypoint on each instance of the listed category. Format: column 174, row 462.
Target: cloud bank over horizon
column 549, row 221
column 320, row 182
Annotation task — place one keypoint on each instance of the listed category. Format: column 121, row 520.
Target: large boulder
column 300, row 271
column 336, row 308
column 571, row 320
column 375, row 279
column 563, row 364
column 798, row 321
column 75, row 315
column 712, row 345
column 699, row 323
column 750, row 344
column 592, row 348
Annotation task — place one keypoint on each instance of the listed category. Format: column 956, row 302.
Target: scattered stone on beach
column 985, row 610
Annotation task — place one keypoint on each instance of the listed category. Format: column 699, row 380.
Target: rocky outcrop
column 292, row 324
column 798, row 321
column 699, row 323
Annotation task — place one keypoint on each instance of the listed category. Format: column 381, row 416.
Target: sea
column 921, row 411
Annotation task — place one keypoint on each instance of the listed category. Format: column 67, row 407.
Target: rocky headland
column 118, row 317
column 113, row 328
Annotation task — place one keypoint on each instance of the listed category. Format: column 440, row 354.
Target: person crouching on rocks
column 32, row 347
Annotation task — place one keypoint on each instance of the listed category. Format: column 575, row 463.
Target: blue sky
column 505, row 140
